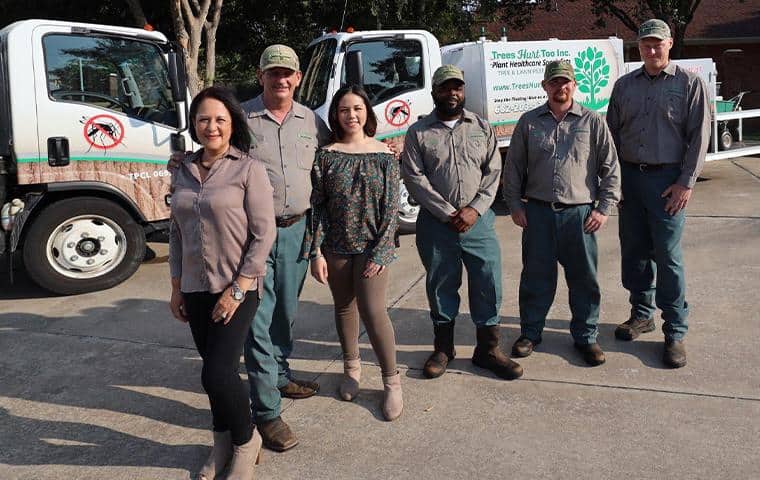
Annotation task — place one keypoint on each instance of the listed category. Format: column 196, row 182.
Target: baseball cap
column 447, row 72
column 558, row 68
column 279, row 56
column 655, row 28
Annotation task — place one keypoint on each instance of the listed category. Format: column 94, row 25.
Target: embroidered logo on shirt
column 305, row 136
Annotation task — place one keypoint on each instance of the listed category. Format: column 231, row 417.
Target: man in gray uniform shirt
column 286, row 135
column 564, row 155
column 659, row 116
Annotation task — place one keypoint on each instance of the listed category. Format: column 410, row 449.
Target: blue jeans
column 443, row 252
column 551, row 237
column 270, row 339
column 650, row 244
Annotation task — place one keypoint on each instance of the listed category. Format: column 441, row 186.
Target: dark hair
column 241, row 135
column 370, row 127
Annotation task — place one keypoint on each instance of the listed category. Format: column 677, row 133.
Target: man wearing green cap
column 563, row 161
column 451, row 166
column 659, row 116
column 285, row 137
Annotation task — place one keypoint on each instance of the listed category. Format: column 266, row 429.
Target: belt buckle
column 555, row 208
column 643, row 167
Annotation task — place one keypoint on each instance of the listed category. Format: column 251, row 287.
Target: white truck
column 89, row 115
column 503, row 78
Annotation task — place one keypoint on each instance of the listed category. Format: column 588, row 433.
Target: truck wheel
column 407, row 211
column 726, row 140
column 83, row 244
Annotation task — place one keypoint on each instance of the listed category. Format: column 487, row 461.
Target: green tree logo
column 592, row 74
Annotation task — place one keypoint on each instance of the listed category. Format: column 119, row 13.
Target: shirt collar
column 467, row 116
column 258, row 109
column 670, row 69
column 233, row 154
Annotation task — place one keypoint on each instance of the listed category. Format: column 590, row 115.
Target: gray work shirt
column 446, row 169
column 287, row 150
column 222, row 227
column 571, row 161
column 662, row 120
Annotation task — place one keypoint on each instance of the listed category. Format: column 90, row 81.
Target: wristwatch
column 237, row 293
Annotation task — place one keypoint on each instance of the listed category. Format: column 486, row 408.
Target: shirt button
column 287, row 206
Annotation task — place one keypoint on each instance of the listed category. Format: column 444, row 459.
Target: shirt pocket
column 257, row 142
column 580, row 144
column 305, row 150
column 672, row 106
column 476, row 148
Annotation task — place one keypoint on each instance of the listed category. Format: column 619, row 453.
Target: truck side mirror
column 178, row 80
column 177, row 143
column 354, row 69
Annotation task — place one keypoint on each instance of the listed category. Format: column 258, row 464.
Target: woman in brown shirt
column 221, row 232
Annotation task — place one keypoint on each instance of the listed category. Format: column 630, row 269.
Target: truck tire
column 726, row 140
column 83, row 244
column 408, row 210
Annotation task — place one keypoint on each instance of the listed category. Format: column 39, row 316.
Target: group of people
column 272, row 191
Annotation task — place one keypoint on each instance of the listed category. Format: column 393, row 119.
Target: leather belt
column 284, row 222
column 557, row 206
column 650, row 167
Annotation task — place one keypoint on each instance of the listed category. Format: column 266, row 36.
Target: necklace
column 211, row 164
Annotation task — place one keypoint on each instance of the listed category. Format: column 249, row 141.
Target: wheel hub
column 86, row 246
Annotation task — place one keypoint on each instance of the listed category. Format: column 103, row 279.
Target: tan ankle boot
column 244, row 457
column 221, row 453
column 352, row 373
column 393, row 402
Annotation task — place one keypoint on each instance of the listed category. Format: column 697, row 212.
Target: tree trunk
column 211, row 27
column 190, row 21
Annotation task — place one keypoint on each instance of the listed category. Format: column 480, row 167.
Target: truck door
column 106, row 113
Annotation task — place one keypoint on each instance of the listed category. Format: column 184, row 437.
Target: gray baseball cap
column 558, row 68
column 654, row 28
column 279, row 56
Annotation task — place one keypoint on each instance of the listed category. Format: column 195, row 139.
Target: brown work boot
column 631, row 329
column 277, row 435
column 443, row 350
column 488, row 355
column 523, row 347
column 674, row 355
column 592, row 353
column 298, row 389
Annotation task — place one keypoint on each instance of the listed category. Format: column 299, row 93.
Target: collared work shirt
column 570, row 161
column 223, row 226
column 287, row 150
column 662, row 120
column 446, row 169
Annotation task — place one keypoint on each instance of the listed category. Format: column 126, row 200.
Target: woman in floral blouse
column 352, row 237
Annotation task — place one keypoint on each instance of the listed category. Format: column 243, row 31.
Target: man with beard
column 564, row 156
column 659, row 116
column 451, row 166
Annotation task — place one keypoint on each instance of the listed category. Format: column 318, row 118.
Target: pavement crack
column 757, row 177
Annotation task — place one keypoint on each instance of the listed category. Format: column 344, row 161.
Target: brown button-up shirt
column 662, row 120
column 446, row 169
column 222, row 227
column 570, row 161
column 287, row 150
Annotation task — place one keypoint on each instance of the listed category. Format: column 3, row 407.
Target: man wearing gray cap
column 451, row 166
column 563, row 155
column 659, row 116
column 285, row 137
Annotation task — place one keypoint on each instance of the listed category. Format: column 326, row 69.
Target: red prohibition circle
column 397, row 112
column 103, row 131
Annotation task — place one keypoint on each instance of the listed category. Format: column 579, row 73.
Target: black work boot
column 443, row 350
column 488, row 355
column 674, row 354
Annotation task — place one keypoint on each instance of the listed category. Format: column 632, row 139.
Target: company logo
column 592, row 73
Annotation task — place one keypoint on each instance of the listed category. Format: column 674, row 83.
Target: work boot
column 674, row 355
column 244, row 457
column 592, row 353
column 633, row 327
column 393, row 402
column 488, row 355
column 277, row 435
column 221, row 453
column 523, row 347
column 352, row 373
column 443, row 350
column 298, row 389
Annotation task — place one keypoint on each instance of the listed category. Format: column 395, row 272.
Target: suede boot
column 443, row 350
column 352, row 373
column 393, row 402
column 244, row 457
column 217, row 461
column 488, row 355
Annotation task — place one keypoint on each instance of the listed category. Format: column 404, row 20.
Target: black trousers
column 220, row 347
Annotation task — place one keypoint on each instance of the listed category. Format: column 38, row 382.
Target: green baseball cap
column 279, row 56
column 558, row 68
column 654, row 28
column 447, row 72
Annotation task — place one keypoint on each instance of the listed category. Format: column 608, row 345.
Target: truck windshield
column 318, row 61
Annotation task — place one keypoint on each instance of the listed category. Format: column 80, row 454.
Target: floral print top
column 354, row 205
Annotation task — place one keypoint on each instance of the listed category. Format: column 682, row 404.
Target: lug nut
column 90, row 261
column 74, row 258
column 104, row 252
column 70, row 245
